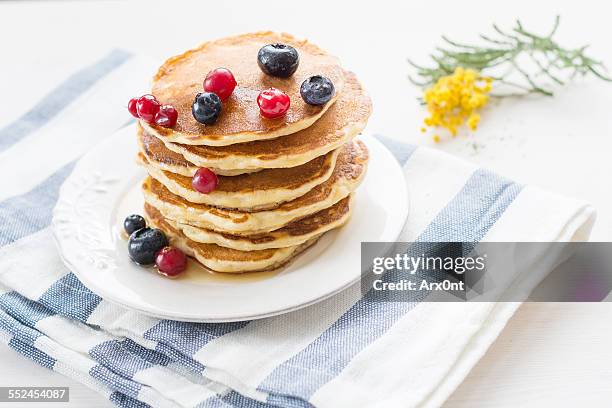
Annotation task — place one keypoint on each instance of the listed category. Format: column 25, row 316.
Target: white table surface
column 549, row 354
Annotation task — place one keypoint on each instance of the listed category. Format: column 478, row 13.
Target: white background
column 549, row 354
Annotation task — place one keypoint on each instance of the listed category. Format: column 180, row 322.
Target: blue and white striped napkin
column 346, row 351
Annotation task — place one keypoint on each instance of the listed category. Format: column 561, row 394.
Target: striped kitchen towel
column 346, row 351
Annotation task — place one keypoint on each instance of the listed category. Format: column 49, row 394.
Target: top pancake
column 181, row 77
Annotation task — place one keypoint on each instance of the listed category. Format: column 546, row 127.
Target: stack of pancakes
column 282, row 182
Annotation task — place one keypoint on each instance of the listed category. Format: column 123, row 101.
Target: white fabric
column 417, row 362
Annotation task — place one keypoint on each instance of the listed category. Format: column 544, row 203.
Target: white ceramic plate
column 105, row 187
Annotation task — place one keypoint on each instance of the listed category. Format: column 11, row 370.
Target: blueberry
column 145, row 243
column 206, row 107
column 133, row 223
column 279, row 60
column 317, row 90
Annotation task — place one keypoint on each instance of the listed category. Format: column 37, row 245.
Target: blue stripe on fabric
column 180, row 358
column 115, row 382
column 60, row 97
column 123, row 401
column 401, row 151
column 188, row 337
column 151, row 356
column 289, row 402
column 32, row 353
column 23, row 339
column 214, row 402
column 234, row 399
column 17, row 329
column 30, row 212
column 69, row 297
column 111, row 355
column 293, row 382
column 126, row 357
column 23, row 309
column 467, row 217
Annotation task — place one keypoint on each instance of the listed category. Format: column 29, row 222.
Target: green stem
column 503, row 52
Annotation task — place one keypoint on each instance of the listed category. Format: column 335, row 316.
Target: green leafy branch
column 502, row 53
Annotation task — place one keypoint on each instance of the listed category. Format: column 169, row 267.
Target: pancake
column 221, row 259
column 260, row 190
column 156, row 153
column 344, row 120
column 165, row 159
column 348, row 173
column 180, row 78
column 295, row 233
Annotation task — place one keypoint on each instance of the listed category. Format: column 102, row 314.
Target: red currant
column 171, row 261
column 147, row 107
column 132, row 107
column 220, row 81
column 166, row 116
column 273, row 103
column 204, row 180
